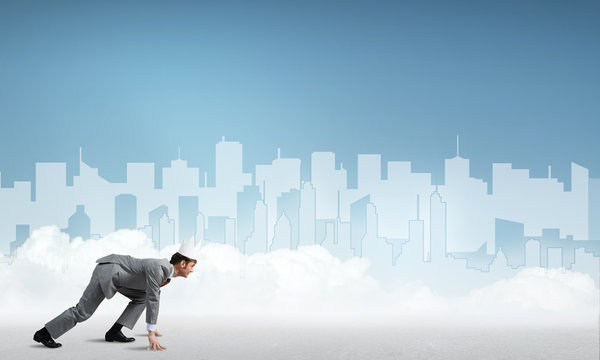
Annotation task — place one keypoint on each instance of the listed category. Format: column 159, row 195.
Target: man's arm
column 152, row 295
column 153, row 275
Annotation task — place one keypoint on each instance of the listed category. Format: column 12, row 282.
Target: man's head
column 182, row 265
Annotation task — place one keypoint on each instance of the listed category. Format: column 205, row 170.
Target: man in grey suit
column 138, row 279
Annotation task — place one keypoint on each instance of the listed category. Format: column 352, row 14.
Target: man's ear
column 182, row 263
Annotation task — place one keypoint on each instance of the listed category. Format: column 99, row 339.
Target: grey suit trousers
column 89, row 302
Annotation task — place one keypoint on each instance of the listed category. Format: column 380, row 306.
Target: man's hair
column 177, row 257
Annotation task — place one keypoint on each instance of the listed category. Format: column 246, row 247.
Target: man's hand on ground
column 154, row 344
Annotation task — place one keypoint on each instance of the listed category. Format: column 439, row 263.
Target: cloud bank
column 50, row 273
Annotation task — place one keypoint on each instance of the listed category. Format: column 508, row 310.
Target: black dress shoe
column 118, row 337
column 42, row 336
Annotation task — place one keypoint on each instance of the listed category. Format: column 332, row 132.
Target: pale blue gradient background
column 132, row 81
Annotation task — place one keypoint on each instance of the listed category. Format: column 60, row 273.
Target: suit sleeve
column 152, row 294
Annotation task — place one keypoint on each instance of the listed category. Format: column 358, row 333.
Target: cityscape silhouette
column 402, row 224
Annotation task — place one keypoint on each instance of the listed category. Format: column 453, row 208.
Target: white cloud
column 309, row 284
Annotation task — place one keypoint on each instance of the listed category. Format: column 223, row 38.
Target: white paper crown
column 187, row 249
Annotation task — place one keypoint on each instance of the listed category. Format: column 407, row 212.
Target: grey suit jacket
column 139, row 274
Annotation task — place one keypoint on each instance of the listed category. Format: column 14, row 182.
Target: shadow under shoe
column 43, row 336
column 118, row 337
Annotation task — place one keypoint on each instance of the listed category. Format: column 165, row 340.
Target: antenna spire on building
column 179, row 153
column 279, row 153
column 457, row 145
column 80, row 152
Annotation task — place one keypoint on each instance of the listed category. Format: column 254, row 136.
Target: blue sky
column 132, row 81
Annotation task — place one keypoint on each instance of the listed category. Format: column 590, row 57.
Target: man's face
column 187, row 269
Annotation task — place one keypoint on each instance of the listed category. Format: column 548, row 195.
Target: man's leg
column 134, row 309
column 130, row 315
column 91, row 298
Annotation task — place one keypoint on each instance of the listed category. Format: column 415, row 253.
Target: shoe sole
column 113, row 340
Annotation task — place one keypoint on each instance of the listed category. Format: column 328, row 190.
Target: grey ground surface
column 220, row 338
